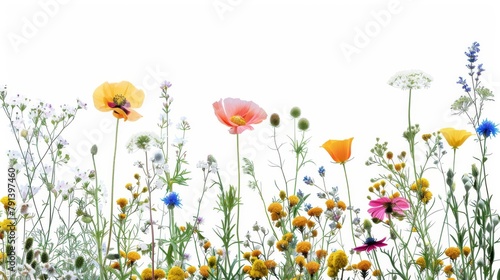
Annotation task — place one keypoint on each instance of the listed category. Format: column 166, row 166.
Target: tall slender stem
column 350, row 204
column 112, row 187
column 239, row 202
column 99, row 235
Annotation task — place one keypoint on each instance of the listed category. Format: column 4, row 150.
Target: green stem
column 350, row 204
column 112, row 187
column 98, row 223
column 239, row 202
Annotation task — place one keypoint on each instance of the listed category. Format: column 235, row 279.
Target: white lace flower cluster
column 410, row 79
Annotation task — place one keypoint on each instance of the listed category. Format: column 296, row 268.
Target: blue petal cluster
column 308, row 180
column 321, row 171
column 172, row 200
column 472, row 54
column 487, row 128
column 464, row 84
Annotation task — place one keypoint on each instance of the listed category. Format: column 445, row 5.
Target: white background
column 330, row 58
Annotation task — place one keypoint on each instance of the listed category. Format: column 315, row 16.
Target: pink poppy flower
column 384, row 206
column 370, row 244
column 238, row 114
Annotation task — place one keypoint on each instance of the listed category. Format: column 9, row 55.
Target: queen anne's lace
column 411, row 79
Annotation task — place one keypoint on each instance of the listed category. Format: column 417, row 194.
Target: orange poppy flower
column 238, row 114
column 454, row 137
column 120, row 98
column 339, row 150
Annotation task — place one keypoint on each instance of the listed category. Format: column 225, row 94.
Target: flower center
column 119, row 100
column 370, row 241
column 388, row 207
column 238, row 120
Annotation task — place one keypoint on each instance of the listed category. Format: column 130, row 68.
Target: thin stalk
column 112, row 187
column 350, row 204
column 239, row 201
column 98, row 224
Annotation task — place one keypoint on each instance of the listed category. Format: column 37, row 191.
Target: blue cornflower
column 308, row 180
column 487, row 128
column 321, row 171
column 172, row 200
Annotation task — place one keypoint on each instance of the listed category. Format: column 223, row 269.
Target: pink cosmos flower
column 384, row 206
column 238, row 114
column 370, row 244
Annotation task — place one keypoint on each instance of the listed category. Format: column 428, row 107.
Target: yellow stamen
column 119, row 100
column 238, row 120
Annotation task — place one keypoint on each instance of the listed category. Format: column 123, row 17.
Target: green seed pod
column 29, row 256
column 34, row 264
column 113, row 256
column 45, row 257
column 28, row 243
column 79, row 262
column 275, row 120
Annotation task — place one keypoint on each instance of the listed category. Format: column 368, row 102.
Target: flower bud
column 367, row 224
column 468, row 186
column 282, row 195
column 93, row 150
column 465, row 178
column 295, row 112
column 481, row 204
column 211, row 159
column 24, row 133
column 270, row 241
column 275, row 120
column 475, row 171
column 495, row 220
column 303, row 124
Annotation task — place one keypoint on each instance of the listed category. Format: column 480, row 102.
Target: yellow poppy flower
column 454, row 137
column 120, row 98
column 339, row 150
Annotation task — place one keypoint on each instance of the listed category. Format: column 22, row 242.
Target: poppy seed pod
column 275, row 120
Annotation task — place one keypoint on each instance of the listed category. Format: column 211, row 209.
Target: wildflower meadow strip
column 60, row 224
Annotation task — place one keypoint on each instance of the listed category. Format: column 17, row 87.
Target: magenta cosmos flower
column 370, row 244
column 384, row 206
column 238, row 114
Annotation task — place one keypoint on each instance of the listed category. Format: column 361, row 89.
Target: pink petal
column 361, row 248
column 401, row 203
column 380, row 201
column 377, row 212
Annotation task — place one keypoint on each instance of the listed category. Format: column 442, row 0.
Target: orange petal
column 339, row 150
column 120, row 114
column 103, row 94
column 133, row 95
column 133, row 115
